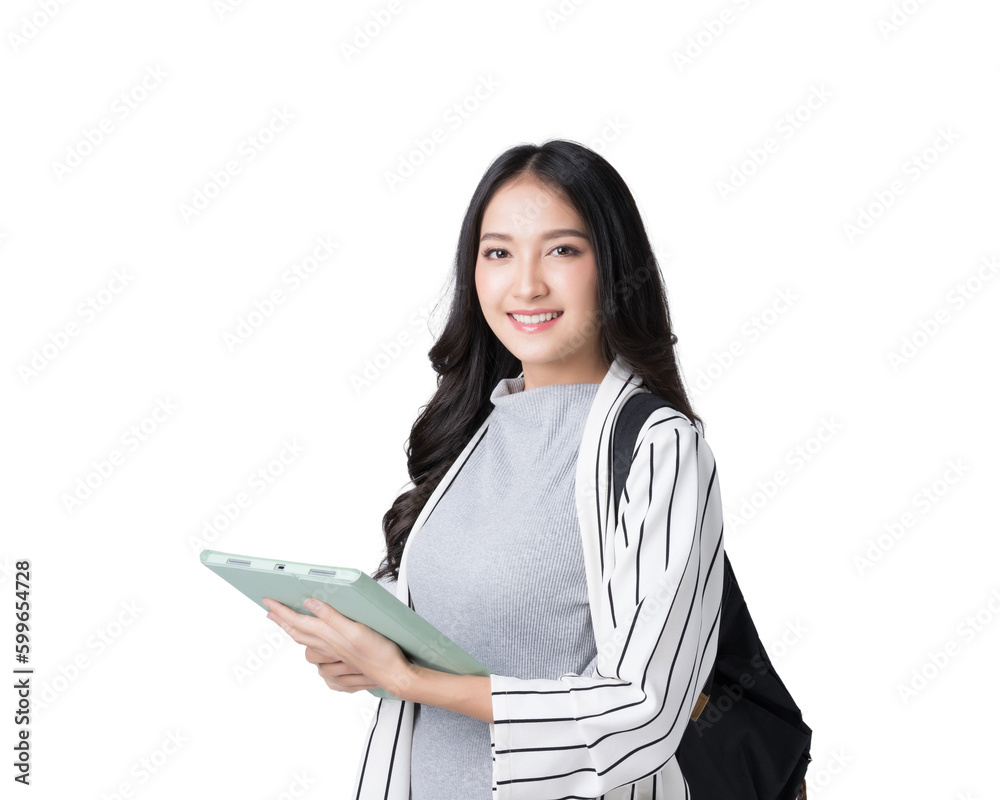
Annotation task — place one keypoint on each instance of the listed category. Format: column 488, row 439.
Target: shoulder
column 656, row 415
column 666, row 428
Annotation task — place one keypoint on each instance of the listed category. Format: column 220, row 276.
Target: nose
column 529, row 282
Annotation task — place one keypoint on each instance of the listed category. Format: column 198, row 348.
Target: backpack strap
column 628, row 423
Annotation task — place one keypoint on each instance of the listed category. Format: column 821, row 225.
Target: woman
column 600, row 631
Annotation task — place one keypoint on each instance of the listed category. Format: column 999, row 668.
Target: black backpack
column 746, row 739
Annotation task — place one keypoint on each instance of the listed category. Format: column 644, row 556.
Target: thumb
column 322, row 610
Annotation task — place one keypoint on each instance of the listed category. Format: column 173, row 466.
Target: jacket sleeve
column 581, row 736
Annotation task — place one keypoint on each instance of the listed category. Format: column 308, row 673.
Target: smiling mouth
column 536, row 319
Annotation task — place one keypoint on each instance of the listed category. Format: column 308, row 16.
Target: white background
column 116, row 584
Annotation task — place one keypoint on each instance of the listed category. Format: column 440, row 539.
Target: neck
column 556, row 373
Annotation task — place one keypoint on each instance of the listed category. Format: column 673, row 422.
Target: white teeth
column 536, row 318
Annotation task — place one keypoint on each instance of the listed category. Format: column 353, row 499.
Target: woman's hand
column 339, row 675
column 349, row 656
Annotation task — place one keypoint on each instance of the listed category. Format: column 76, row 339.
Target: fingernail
column 312, row 604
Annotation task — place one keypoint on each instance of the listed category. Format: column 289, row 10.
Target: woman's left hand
column 330, row 632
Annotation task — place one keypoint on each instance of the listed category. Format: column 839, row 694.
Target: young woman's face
column 535, row 257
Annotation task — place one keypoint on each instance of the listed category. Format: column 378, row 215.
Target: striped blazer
column 654, row 579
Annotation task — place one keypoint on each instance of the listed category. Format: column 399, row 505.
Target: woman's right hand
column 339, row 675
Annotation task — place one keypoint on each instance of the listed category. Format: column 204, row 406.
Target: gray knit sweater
column 498, row 568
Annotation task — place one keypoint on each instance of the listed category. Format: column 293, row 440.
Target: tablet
column 355, row 595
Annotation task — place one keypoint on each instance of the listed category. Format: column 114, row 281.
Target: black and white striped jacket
column 654, row 579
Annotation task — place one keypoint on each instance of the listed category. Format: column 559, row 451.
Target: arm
column 466, row 694
column 585, row 735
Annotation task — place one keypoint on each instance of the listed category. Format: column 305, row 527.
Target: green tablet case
column 355, row 595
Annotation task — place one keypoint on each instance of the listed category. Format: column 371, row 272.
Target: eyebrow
column 554, row 234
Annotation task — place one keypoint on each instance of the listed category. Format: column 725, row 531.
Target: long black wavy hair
column 469, row 359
